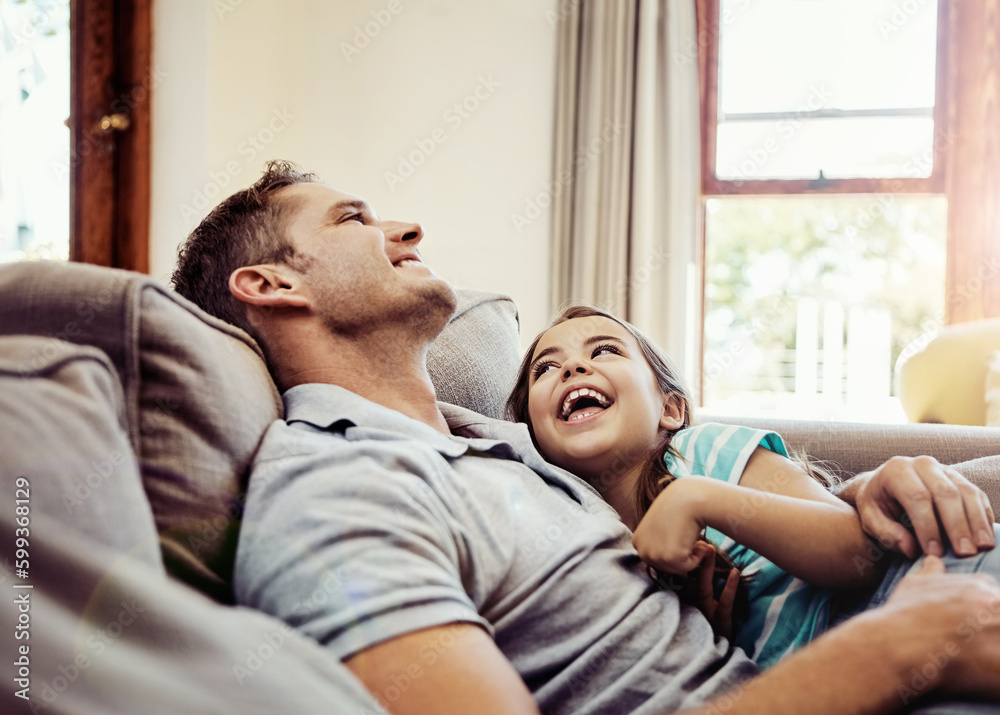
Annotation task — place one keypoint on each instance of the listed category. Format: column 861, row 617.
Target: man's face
column 360, row 271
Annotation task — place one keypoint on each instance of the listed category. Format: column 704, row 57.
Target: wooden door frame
column 973, row 185
column 110, row 72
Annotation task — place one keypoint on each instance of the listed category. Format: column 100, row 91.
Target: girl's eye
column 606, row 349
column 542, row 367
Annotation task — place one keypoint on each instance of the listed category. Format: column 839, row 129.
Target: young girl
column 603, row 402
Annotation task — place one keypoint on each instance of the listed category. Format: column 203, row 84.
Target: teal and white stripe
column 785, row 612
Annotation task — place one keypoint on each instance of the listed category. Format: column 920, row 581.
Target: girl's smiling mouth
column 583, row 402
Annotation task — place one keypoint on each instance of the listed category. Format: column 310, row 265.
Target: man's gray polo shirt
column 362, row 524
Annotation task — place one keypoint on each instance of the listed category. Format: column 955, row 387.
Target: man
column 450, row 568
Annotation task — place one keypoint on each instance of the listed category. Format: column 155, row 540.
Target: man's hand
column 964, row 609
column 921, row 492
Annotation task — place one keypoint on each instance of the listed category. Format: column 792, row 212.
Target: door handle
column 117, row 122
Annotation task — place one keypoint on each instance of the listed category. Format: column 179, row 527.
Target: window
column 34, row 140
column 831, row 163
column 825, row 88
column 75, row 84
column 809, row 300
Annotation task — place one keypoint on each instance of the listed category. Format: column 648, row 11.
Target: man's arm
column 444, row 670
column 885, row 659
column 922, row 492
column 878, row 662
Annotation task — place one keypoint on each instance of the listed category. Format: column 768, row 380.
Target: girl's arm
column 777, row 510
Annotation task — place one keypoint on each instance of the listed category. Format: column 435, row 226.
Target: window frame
column 709, row 31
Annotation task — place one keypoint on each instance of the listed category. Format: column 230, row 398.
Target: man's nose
column 403, row 232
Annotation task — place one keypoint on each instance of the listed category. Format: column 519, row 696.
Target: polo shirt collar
column 331, row 407
column 325, row 406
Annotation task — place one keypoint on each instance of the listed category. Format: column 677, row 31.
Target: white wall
column 348, row 88
column 180, row 116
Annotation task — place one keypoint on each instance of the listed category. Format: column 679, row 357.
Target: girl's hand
column 718, row 612
column 667, row 536
column 669, row 539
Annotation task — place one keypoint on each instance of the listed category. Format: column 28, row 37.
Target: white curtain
column 625, row 213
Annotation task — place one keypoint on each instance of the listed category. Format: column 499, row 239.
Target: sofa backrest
column 849, row 448
column 198, row 396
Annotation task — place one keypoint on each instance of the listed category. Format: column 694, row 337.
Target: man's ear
column 267, row 286
column 673, row 412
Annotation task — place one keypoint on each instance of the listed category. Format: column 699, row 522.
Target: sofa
column 129, row 420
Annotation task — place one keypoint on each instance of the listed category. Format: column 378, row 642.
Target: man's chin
column 437, row 302
column 449, row 296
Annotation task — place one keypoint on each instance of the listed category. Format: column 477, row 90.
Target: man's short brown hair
column 246, row 229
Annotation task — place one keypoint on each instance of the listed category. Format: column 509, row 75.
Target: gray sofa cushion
column 66, row 454
column 109, row 636
column 474, row 361
column 197, row 397
column 986, row 473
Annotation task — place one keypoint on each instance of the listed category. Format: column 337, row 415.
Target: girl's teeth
column 585, row 392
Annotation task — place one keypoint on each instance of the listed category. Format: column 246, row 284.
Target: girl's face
column 593, row 401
